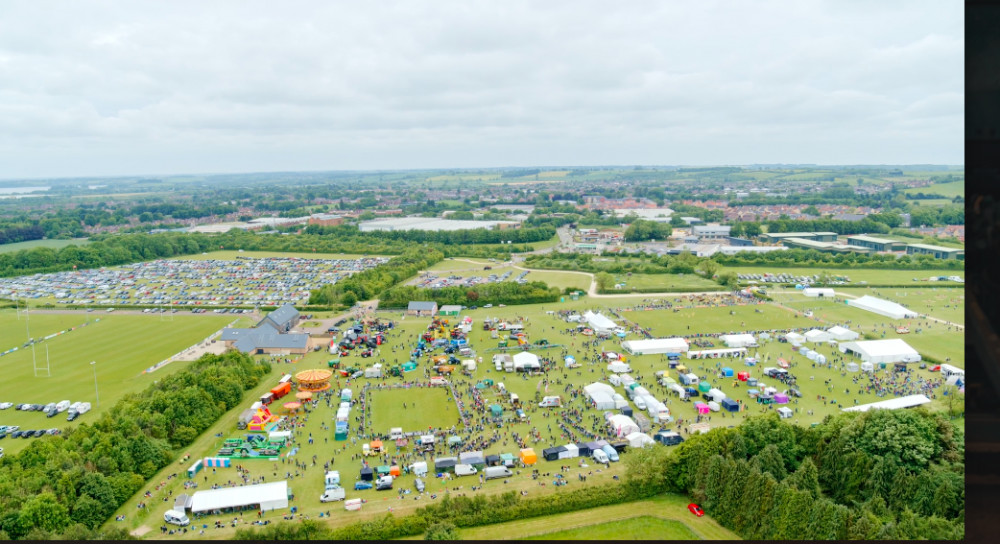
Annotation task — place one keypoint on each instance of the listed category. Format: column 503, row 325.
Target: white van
column 600, row 456
column 496, row 472
column 333, row 494
column 176, row 517
column 640, row 403
column 465, row 470
column 514, row 399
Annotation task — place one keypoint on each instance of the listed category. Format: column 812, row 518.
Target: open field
column 665, row 282
column 869, row 275
column 123, row 346
column 668, row 507
column 824, row 391
column 947, row 190
column 464, row 269
column 414, row 409
column 637, row 528
column 54, row 244
column 945, row 303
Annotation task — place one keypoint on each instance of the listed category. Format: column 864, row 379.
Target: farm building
column 817, row 236
column 738, row 340
column 598, row 322
column 655, row 346
column 937, row 251
column 265, row 497
column 841, row 334
column 270, row 336
column 711, row 231
column 875, row 244
column 283, row 319
column 422, row 308
column 881, row 307
column 450, row 310
column 892, row 350
column 821, row 292
column 908, row 401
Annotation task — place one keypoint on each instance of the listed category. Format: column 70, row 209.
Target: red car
column 696, row 510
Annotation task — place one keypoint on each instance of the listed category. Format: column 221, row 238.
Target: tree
column 728, row 280
column 811, row 210
column 45, row 512
column 604, row 281
column 709, row 267
column 806, row 478
column 441, row 530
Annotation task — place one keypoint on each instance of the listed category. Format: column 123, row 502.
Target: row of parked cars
column 15, row 432
column 74, row 410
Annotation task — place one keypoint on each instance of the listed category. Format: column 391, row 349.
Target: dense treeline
column 71, row 483
column 685, row 263
column 809, row 258
column 882, row 474
column 505, row 292
column 111, row 250
column 447, row 237
column 13, row 234
column 373, row 282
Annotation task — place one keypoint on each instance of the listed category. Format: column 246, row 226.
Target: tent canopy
column 891, row 350
column 268, row 496
column 655, row 346
column 817, row 335
column 738, row 340
column 882, row 307
column 599, row 322
column 840, row 333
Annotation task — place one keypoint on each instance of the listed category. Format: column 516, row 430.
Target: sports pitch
column 414, row 409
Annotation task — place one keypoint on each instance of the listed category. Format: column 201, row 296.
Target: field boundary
column 646, row 515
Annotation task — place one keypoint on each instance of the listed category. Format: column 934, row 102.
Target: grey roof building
column 421, row 307
column 283, row 319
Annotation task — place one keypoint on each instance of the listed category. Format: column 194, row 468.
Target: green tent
column 454, row 440
column 496, row 410
column 507, row 458
column 340, row 434
column 488, row 381
column 480, row 385
column 409, row 365
column 383, row 469
column 704, row 387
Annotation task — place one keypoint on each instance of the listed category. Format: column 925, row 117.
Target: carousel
column 312, row 381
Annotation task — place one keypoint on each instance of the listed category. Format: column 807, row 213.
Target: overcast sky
column 128, row 87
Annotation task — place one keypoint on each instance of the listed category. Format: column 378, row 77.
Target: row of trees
column 809, row 258
column 374, row 282
column 882, row 474
column 505, row 292
column 71, row 483
column 446, row 237
column 13, row 234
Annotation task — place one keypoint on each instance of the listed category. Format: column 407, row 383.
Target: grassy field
column 637, row 528
column 670, row 508
column 947, row 190
column 424, row 408
column 54, row 244
column 945, row 303
column 123, row 346
column 665, row 282
column 465, row 269
column 819, row 387
column 869, row 275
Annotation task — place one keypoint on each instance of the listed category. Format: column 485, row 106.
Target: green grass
column 123, row 346
column 945, row 303
column 664, row 282
column 465, row 269
column 637, row 528
column 54, row 244
column 872, row 276
column 672, row 522
column 947, row 190
column 309, row 485
column 425, row 408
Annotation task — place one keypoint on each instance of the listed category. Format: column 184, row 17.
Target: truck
column 490, row 473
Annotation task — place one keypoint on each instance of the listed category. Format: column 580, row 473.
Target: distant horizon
column 911, row 166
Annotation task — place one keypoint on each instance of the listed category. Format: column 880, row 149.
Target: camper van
column 550, row 402
column 600, row 456
column 175, row 517
column 490, row 473
column 395, row 433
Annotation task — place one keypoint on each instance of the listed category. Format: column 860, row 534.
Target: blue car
column 358, row 486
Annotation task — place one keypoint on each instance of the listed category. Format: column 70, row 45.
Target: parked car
column 419, row 484
column 696, row 510
column 383, row 483
column 15, row 434
column 359, row 485
column 39, row 432
column 5, row 405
